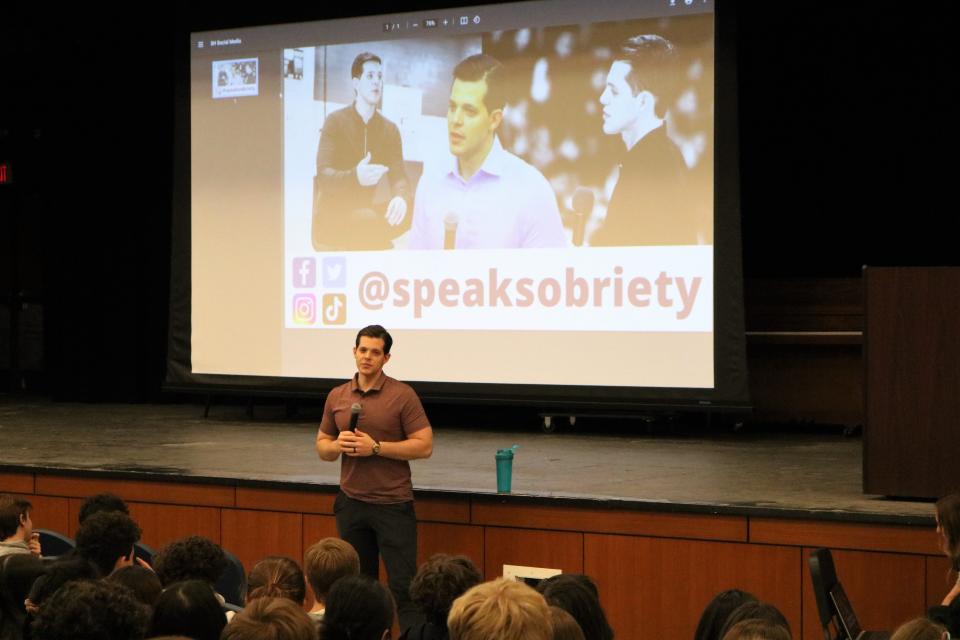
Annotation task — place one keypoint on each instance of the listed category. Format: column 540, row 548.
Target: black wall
column 843, row 123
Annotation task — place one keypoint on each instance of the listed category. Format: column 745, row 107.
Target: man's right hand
column 369, row 174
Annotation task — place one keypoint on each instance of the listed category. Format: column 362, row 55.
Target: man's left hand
column 396, row 211
column 363, row 445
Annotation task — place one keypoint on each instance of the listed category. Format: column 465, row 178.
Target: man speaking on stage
column 378, row 424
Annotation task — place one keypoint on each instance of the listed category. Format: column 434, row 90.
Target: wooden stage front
column 661, row 523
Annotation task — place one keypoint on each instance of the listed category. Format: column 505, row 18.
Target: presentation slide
column 522, row 194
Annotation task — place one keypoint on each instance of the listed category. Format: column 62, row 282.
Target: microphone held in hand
column 355, row 415
column 450, row 222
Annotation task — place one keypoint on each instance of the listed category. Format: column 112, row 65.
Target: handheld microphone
column 355, row 415
column 450, row 222
column 582, row 205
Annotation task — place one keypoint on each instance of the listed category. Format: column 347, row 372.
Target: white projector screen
column 561, row 239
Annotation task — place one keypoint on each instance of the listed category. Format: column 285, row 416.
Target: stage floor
column 788, row 475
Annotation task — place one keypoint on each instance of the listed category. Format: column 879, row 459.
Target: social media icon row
column 333, row 309
column 333, row 270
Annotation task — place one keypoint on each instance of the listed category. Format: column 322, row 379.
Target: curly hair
column 192, row 558
column 106, row 537
column 91, row 610
column 277, row 577
column 441, row 580
column 101, row 502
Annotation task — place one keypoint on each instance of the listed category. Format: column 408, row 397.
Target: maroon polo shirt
column 391, row 412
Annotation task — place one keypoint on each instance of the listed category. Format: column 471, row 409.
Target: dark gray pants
column 388, row 531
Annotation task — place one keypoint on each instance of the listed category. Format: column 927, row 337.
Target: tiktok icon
column 334, row 308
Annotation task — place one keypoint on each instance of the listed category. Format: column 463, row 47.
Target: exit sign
column 6, row 176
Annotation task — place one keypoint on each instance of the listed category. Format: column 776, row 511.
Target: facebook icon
column 304, row 273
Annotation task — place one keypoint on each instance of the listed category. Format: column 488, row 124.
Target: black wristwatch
column 376, row 448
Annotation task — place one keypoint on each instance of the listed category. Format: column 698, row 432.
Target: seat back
column 144, row 552
column 823, row 575
column 232, row 584
column 53, row 544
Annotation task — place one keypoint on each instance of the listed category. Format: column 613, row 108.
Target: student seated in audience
column 276, row 577
column 502, row 609
column 920, row 629
column 91, row 610
column 16, row 527
column 18, row 572
column 142, row 582
column 715, row 615
column 948, row 529
column 191, row 558
column 439, row 581
column 102, row 502
column 106, row 539
column 270, row 618
column 577, row 595
column 324, row 563
column 358, row 608
column 755, row 611
column 564, row 626
column 757, row 629
column 188, row 608
column 59, row 572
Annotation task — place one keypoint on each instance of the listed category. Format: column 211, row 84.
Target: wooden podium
column 911, row 439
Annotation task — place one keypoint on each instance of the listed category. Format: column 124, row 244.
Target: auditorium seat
column 232, row 584
column 53, row 544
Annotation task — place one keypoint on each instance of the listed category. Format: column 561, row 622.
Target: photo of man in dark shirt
column 360, row 190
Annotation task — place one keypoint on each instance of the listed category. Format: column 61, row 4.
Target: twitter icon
column 334, row 270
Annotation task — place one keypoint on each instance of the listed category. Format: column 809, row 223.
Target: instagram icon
column 304, row 308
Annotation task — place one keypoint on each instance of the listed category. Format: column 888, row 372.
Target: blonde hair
column 918, row 629
column 326, row 562
column 502, row 609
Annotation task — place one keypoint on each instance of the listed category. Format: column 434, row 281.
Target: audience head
column 920, row 629
column 564, row 626
column 441, row 580
column 143, row 583
column 14, row 517
column 577, row 595
column 193, row 558
column 358, row 608
column 326, row 562
column 715, row 615
column 276, row 577
column 102, row 502
column 188, row 608
column 755, row 611
column 91, row 610
column 106, row 539
column 502, row 609
column 757, row 629
column 948, row 526
column 270, row 619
